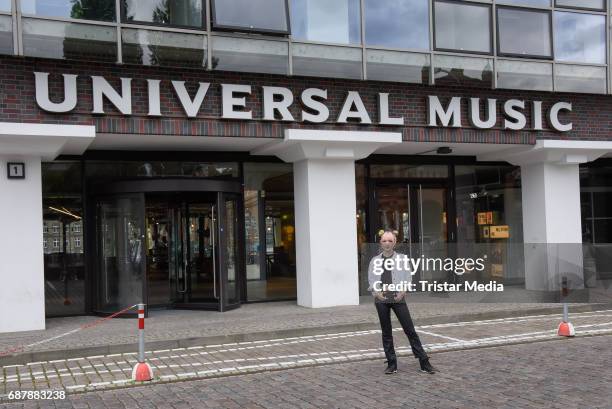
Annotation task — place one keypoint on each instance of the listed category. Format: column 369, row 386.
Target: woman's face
column 387, row 241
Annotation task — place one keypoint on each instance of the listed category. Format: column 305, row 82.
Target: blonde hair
column 381, row 232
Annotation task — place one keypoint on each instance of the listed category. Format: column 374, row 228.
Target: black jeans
column 403, row 315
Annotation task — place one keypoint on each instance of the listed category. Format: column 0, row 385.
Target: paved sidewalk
column 184, row 328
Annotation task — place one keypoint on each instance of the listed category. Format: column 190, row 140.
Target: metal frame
column 208, row 27
column 464, row 3
column 217, row 26
column 500, row 53
column 124, row 20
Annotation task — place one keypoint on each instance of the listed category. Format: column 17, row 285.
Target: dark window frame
column 461, row 2
column 550, row 57
column 124, row 20
column 222, row 27
column 602, row 10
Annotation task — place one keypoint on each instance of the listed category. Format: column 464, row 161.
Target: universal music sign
column 277, row 100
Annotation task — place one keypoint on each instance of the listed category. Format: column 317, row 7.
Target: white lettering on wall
column 42, row 93
column 101, row 88
column 190, row 106
column 230, row 101
column 270, row 106
column 309, row 101
column 452, row 113
column 353, row 100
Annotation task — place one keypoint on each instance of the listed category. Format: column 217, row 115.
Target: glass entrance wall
column 489, row 211
column 63, row 240
column 269, row 231
column 120, row 252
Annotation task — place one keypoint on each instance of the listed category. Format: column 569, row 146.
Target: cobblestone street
column 338, row 369
column 572, row 373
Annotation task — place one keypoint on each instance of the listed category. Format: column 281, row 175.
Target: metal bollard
column 142, row 371
column 565, row 329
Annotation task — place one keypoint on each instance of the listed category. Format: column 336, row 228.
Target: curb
column 50, row 355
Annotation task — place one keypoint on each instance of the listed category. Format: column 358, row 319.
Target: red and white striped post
column 142, row 371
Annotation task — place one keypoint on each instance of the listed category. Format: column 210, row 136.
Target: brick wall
column 591, row 115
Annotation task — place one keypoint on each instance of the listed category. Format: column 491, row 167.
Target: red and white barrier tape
column 22, row 348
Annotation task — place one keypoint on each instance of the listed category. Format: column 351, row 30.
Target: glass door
column 229, row 250
column 418, row 212
column 120, row 251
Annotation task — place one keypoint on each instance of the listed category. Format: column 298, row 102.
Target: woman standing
column 385, row 301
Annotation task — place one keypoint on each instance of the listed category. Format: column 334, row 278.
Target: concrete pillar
column 325, row 209
column 22, row 293
column 22, row 285
column 551, row 225
column 552, row 232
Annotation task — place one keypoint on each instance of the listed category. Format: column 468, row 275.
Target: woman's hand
column 400, row 296
column 379, row 295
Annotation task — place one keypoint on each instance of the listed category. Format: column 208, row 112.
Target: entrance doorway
column 418, row 211
column 166, row 247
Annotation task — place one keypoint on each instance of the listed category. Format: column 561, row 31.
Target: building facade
column 207, row 153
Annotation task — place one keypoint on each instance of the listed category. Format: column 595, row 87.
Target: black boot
column 427, row 367
column 391, row 368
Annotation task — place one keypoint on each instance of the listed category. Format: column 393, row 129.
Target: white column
column 325, row 209
column 552, row 231
column 326, row 233
column 22, row 278
column 22, row 295
column 551, row 225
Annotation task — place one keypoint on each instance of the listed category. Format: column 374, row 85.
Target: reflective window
column 252, row 15
column 150, row 47
column 462, row 27
column 534, row 3
column 103, row 10
column 6, row 35
column 580, row 37
column 524, row 75
column 185, row 13
column 327, row 61
column 524, row 32
column 269, row 231
column 58, row 39
column 99, row 171
column 408, row 171
column 582, row 4
column 463, row 71
column 580, row 78
column 5, row 5
column 336, row 21
column 242, row 54
column 398, row 66
column 397, row 23
column 64, row 260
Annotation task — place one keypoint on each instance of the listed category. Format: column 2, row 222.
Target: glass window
column 150, row 47
column 397, row 23
column 242, row 54
column 336, row 21
column 524, row 32
column 64, row 260
column 58, row 39
column 462, row 27
column 182, row 13
column 534, row 3
column 103, row 10
column 269, row 231
column 100, row 171
column 524, row 75
column 582, row 4
column 5, row 5
column 463, row 71
column 6, row 35
column 327, row 61
column 251, row 15
column 580, row 78
column 398, row 66
column 580, row 37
